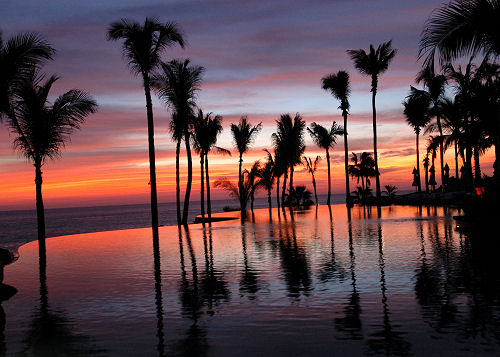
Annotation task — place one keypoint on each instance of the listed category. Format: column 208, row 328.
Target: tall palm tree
column 435, row 85
column 41, row 129
column 460, row 28
column 326, row 139
column 243, row 135
column 373, row 64
column 254, row 181
column 206, row 129
column 311, row 167
column 177, row 83
column 266, row 177
column 416, row 110
column 338, row 85
column 20, row 55
column 278, row 171
column 142, row 47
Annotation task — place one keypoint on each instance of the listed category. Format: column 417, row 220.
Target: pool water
column 308, row 283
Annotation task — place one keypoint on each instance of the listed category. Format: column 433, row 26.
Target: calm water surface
column 313, row 283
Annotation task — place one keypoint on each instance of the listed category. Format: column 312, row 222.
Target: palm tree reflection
column 294, row 262
column 249, row 282
column 350, row 325
column 52, row 333
column 387, row 339
column 330, row 268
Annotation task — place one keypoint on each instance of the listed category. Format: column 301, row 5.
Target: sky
column 262, row 59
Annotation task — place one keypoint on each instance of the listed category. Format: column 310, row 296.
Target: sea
column 18, row 227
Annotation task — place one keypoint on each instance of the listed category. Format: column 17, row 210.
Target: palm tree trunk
column 189, row 178
column 363, row 190
column 346, row 164
column 290, row 189
column 152, row 161
column 314, row 186
column 278, row 193
column 441, row 149
column 456, row 160
column 329, row 177
column 252, row 197
column 284, row 190
column 375, row 155
column 40, row 213
column 177, row 181
column 418, row 168
column 477, row 168
column 202, row 188
column 240, row 186
column 427, row 178
column 209, row 203
column 269, row 201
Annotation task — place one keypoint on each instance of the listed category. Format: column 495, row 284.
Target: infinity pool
column 312, row 283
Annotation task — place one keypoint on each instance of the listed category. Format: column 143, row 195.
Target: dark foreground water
column 313, row 284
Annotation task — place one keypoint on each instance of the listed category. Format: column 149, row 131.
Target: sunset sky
column 262, row 59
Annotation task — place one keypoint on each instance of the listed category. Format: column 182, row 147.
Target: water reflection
column 330, row 268
column 310, row 282
column 52, row 332
column 388, row 339
column 294, row 262
column 350, row 325
column 249, row 282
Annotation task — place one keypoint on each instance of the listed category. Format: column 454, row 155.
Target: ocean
column 19, row 227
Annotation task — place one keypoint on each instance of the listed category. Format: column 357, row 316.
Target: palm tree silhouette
column 462, row 28
column 20, row 55
column 142, row 47
column 289, row 145
column 363, row 168
column 435, row 85
column 311, row 167
column 417, row 115
column 266, row 178
column 338, row 85
column 452, row 123
column 206, row 129
column 42, row 129
column 177, row 84
column 373, row 64
column 254, row 182
column 326, row 139
column 243, row 135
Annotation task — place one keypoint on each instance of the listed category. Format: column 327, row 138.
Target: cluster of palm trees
column 40, row 128
column 469, row 120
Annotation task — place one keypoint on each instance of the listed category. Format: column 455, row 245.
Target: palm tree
column 461, row 28
column 278, row 171
column 289, row 145
column 391, row 190
column 363, row 168
column 432, row 146
column 206, row 129
column 338, row 85
column 243, row 136
column 266, row 177
column 312, row 166
column 243, row 193
column 452, row 124
column 20, row 55
column 326, row 139
column 42, row 129
column 435, row 85
column 417, row 115
column 177, row 84
column 254, row 182
column 374, row 64
column 142, row 47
